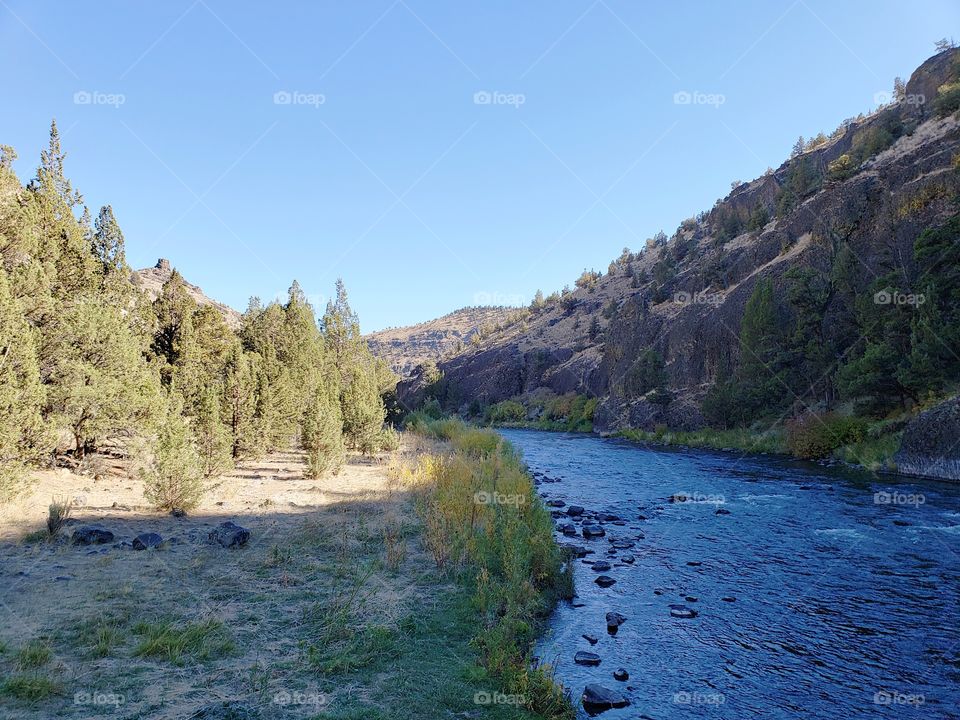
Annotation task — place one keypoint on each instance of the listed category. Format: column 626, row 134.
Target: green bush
column 813, row 436
column 506, row 412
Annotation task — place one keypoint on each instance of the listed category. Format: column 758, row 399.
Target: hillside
column 151, row 280
column 405, row 348
column 659, row 339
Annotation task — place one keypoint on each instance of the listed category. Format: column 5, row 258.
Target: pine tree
column 174, row 310
column 213, row 439
column 21, row 395
column 173, row 479
column 322, row 435
column 240, row 400
column 363, row 411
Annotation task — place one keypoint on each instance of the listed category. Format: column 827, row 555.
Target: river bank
column 334, row 606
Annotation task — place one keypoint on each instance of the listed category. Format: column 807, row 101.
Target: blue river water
column 818, row 592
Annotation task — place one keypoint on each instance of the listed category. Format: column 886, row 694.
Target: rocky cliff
column 864, row 194
column 151, row 280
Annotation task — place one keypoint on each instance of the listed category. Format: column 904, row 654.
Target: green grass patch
column 772, row 440
column 29, row 688
column 173, row 642
column 35, row 654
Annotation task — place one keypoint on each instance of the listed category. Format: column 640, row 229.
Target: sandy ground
column 313, row 542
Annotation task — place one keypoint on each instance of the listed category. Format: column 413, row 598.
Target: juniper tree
column 322, row 436
column 173, row 479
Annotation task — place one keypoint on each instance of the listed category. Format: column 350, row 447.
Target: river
column 818, row 592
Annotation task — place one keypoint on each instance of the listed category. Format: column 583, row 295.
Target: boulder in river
column 621, row 675
column 682, row 612
column 722, row 511
column 605, row 581
column 601, row 566
column 575, row 511
column 147, row 540
column 593, row 531
column 629, row 559
column 555, row 503
column 229, row 534
column 568, row 529
column 586, row 658
column 623, row 544
column 592, row 639
column 615, row 619
column 931, row 443
column 596, row 698
column 91, row 535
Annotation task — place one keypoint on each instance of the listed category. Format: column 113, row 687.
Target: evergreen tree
column 363, row 411
column 173, row 479
column 240, row 400
column 213, row 440
column 322, row 435
column 21, row 395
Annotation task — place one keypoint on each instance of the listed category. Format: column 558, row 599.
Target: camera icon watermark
column 498, row 498
column 496, row 97
column 95, row 97
column 283, row 698
column 892, row 697
column 895, row 297
column 885, row 97
column 295, row 97
column 899, row 498
column 86, row 697
column 698, row 298
column 698, row 698
column 498, row 698
column 498, row 299
column 695, row 97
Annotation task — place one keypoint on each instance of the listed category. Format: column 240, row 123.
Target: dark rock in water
column 596, row 698
column 629, row 559
column 621, row 675
column 147, row 540
column 901, row 523
column 690, row 598
column 931, row 443
column 592, row 639
column 607, row 517
column 623, row 544
column 677, row 498
column 682, row 612
column 601, row 566
column 577, row 603
column 574, row 511
column 614, row 621
column 722, row 511
column 641, row 517
column 605, row 581
column 593, row 531
column 229, row 534
column 586, row 658
column 91, row 535
column 694, row 563
column 576, row 550
column 729, row 599
column 555, row 503
column 568, row 529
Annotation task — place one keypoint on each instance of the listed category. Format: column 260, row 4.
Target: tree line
column 86, row 358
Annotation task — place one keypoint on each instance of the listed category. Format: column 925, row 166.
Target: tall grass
column 486, row 527
column 772, row 440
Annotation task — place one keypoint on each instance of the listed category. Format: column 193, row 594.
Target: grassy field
column 342, row 605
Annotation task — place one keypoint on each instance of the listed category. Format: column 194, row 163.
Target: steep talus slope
column 685, row 298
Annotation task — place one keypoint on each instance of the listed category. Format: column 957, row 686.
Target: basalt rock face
column 590, row 340
column 151, row 281
column 931, row 443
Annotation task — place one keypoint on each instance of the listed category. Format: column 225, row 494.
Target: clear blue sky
column 421, row 198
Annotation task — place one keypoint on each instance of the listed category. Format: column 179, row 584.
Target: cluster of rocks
column 227, row 534
column 597, row 698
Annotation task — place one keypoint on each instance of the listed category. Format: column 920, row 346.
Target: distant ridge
column 151, row 281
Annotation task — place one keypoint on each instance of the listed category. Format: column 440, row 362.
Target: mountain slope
column 824, row 230
column 151, row 280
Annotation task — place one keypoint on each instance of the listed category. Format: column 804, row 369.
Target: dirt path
column 331, row 570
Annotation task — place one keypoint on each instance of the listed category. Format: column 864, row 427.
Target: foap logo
column 95, row 97
column 295, row 97
column 892, row 697
column 885, row 97
column 496, row 97
column 498, row 698
column 697, row 498
column 698, row 298
column 686, row 97
column 888, row 296
column 898, row 498
column 498, row 299
column 498, row 498
column 698, row 698
column 286, row 697
column 96, row 697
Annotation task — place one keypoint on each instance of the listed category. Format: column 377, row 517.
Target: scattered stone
column 568, row 529
column 694, row 563
column 91, row 535
column 690, row 598
column 555, row 503
column 593, row 531
column 614, row 621
column 592, row 639
column 729, row 599
column 577, row 604
column 607, row 517
column 147, row 540
column 641, row 517
column 623, row 544
column 722, row 511
column 682, row 612
column 574, row 511
column 901, row 523
column 601, row 566
column 621, row 675
column 605, row 581
column 228, row 534
column 596, row 698
column 586, row 658
column 628, row 559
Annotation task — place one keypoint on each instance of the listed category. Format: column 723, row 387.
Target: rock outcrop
column 931, row 443
column 151, row 281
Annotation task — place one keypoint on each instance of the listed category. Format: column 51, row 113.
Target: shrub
column 322, row 437
column 58, row 514
column 813, row 436
column 173, row 478
column 506, row 412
